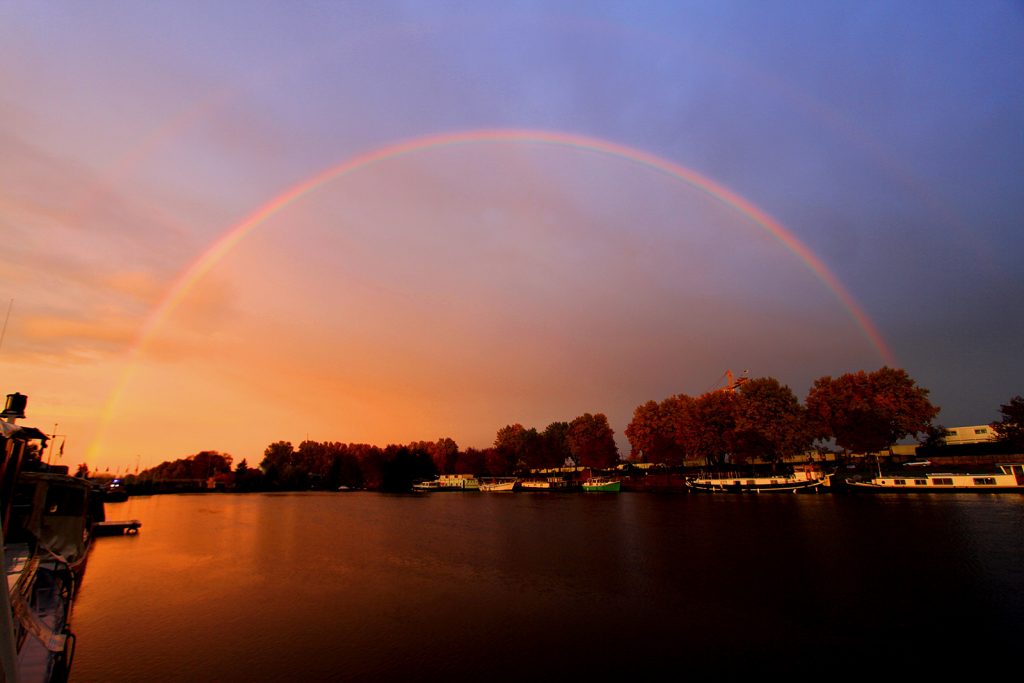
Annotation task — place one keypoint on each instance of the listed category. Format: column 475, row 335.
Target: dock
column 128, row 527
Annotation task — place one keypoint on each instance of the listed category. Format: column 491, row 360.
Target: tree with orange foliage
column 869, row 412
column 770, row 422
column 658, row 431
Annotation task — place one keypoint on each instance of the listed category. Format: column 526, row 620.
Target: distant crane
column 732, row 383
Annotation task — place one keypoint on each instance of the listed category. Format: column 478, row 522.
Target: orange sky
column 445, row 294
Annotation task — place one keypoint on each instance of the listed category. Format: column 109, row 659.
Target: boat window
column 899, row 482
column 942, row 481
column 920, row 482
column 984, row 481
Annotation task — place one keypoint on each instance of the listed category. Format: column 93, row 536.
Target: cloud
column 46, row 329
column 138, row 284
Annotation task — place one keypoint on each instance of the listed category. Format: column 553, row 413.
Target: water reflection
column 361, row 585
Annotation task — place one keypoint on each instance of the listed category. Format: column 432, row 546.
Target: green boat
column 603, row 485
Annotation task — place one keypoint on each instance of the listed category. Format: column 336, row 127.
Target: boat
column 448, row 482
column 114, row 491
column 1009, row 478
column 602, row 484
column 549, row 484
column 805, row 480
column 47, row 522
column 499, row 484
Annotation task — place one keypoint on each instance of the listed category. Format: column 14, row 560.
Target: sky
column 227, row 224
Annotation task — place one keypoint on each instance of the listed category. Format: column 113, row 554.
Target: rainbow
column 227, row 241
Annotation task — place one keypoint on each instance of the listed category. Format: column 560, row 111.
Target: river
column 367, row 586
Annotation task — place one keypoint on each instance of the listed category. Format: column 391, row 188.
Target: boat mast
column 3, row 332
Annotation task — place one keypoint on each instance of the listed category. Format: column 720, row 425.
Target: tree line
column 758, row 418
column 762, row 418
column 587, row 441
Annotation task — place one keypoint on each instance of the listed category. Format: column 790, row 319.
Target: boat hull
column 551, row 484
column 448, row 482
column 1009, row 479
column 757, row 485
column 499, row 486
column 602, row 486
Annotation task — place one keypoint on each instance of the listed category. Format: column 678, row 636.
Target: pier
column 125, row 528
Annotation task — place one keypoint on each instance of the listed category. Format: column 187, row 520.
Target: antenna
column 6, row 318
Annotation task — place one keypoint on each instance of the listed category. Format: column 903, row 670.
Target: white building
column 972, row 434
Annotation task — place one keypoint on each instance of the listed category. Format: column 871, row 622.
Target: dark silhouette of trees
column 516, row 447
column 555, row 445
column 444, row 452
column 471, row 460
column 1010, row 428
column 371, row 464
column 401, row 466
column 659, row 432
column 761, row 419
column 592, row 441
column 770, row 421
column 648, row 435
column 498, row 462
column 202, row 465
column 711, row 432
column 247, row 478
column 869, row 412
column 277, row 462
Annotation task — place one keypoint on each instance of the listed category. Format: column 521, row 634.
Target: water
column 359, row 586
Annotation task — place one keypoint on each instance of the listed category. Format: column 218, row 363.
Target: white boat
column 805, row 480
column 499, row 485
column 1009, row 478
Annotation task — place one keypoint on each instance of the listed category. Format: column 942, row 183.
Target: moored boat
column 1009, row 478
column 549, row 484
column 47, row 523
column 448, row 482
column 499, row 485
column 784, row 483
column 602, row 484
column 114, row 491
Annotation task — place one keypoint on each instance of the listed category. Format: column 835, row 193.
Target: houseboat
column 804, row 480
column 549, row 484
column 449, row 482
column 1010, row 477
